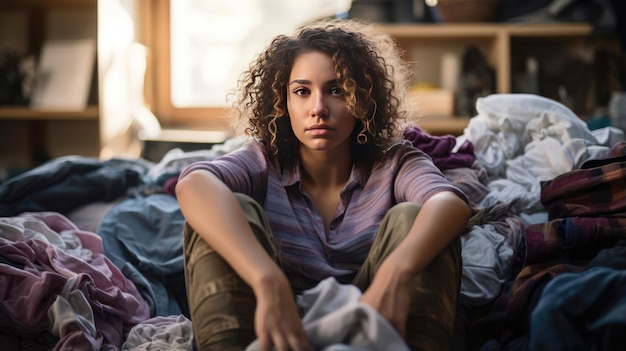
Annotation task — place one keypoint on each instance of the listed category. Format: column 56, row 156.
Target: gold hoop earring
column 361, row 138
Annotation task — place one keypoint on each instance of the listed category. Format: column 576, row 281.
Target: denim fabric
column 222, row 305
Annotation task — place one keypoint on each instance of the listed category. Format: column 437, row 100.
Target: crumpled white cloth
column 524, row 139
column 507, row 123
column 336, row 320
column 520, row 140
column 164, row 333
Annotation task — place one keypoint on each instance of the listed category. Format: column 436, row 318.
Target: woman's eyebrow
column 300, row 81
column 305, row 81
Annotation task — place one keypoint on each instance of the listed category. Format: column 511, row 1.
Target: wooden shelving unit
column 29, row 135
column 425, row 44
column 495, row 39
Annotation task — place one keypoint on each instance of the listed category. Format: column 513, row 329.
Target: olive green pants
column 222, row 305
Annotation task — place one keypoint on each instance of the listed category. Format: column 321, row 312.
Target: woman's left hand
column 390, row 295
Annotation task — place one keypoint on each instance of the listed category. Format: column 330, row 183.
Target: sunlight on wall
column 214, row 41
column 122, row 66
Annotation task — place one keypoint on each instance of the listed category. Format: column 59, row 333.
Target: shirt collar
column 292, row 176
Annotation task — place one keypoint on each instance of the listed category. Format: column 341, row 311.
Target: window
column 201, row 47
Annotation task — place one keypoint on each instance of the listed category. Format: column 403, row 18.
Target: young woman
column 325, row 188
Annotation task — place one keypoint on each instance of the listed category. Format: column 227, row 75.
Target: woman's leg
column 430, row 322
column 221, row 304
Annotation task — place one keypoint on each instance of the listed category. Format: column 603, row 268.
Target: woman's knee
column 404, row 211
column 194, row 246
column 248, row 204
column 255, row 215
column 399, row 219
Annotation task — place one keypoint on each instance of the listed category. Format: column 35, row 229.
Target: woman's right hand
column 277, row 321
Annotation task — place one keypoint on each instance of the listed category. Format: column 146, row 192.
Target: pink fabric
column 35, row 273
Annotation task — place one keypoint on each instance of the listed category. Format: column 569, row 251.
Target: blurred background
column 130, row 78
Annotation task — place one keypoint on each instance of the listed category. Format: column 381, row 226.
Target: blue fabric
column 581, row 311
column 68, row 182
column 142, row 235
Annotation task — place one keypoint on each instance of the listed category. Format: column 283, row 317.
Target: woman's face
column 316, row 104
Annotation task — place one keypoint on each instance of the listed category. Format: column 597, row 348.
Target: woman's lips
column 318, row 130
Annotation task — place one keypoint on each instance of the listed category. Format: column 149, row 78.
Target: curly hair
column 369, row 69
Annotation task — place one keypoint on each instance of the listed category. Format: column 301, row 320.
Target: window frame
column 154, row 32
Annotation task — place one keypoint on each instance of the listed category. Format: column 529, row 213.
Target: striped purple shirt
column 305, row 252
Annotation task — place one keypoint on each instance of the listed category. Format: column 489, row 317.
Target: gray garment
column 163, row 333
column 336, row 320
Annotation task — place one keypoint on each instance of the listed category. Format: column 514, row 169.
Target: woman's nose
column 319, row 108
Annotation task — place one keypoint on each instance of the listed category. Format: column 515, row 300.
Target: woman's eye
column 300, row 91
column 336, row 91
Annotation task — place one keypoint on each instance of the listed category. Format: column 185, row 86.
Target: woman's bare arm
column 214, row 212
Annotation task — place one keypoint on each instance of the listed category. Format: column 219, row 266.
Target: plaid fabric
column 598, row 189
column 587, row 210
column 571, row 239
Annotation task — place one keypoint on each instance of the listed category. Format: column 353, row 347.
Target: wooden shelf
column 430, row 31
column 26, row 113
column 549, row 30
column 442, row 125
column 31, row 4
